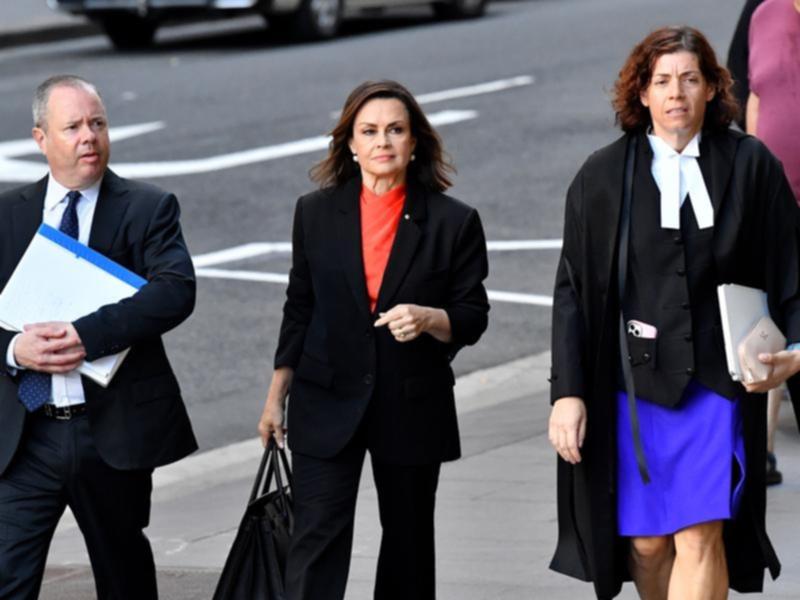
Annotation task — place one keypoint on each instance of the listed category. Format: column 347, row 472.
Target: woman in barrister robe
column 667, row 486
column 386, row 286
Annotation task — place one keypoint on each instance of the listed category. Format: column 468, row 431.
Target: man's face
column 74, row 137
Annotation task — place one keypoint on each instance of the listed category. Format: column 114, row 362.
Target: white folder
column 60, row 279
column 741, row 308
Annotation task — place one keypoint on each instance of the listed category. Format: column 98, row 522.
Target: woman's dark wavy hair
column 432, row 167
column 637, row 72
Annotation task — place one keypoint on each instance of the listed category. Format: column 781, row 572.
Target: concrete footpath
column 496, row 515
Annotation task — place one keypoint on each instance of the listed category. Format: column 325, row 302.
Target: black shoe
column 774, row 477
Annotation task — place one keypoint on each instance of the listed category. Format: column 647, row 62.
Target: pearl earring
column 355, row 158
column 413, row 157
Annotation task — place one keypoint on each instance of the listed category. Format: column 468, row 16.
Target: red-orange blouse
column 380, row 216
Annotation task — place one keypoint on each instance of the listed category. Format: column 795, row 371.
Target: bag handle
column 622, row 273
column 271, row 462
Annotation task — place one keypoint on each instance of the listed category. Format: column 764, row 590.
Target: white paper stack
column 60, row 279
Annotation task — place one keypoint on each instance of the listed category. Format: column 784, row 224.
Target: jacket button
column 677, row 239
column 646, row 356
column 686, row 306
column 630, row 358
column 681, row 272
column 690, row 371
column 688, row 337
column 368, row 379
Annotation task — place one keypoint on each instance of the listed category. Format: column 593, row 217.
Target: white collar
column 56, row 193
column 677, row 175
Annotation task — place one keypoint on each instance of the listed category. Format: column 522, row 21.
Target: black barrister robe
column 755, row 243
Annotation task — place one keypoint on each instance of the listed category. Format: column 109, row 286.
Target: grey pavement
column 32, row 21
column 495, row 515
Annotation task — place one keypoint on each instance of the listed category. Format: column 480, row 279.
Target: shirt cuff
column 793, row 347
column 11, row 364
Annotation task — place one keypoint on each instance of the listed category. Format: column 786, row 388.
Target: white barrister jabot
column 678, row 174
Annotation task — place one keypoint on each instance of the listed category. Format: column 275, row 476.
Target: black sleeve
column 299, row 303
column 165, row 301
column 568, row 343
column 467, row 305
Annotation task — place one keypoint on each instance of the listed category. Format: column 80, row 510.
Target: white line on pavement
column 261, row 277
column 507, row 245
column 468, row 91
column 255, row 249
column 243, row 275
column 240, row 253
column 25, row 170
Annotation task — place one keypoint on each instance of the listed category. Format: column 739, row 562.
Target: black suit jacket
column 346, row 370
column 139, row 421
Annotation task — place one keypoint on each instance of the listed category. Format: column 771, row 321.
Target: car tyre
column 314, row 20
column 459, row 9
column 129, row 32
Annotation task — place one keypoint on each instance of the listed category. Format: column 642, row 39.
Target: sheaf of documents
column 60, row 279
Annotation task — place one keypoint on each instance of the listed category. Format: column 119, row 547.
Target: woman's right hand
column 567, row 428
column 273, row 416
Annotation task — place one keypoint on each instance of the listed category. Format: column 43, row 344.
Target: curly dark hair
column 636, row 73
column 432, row 168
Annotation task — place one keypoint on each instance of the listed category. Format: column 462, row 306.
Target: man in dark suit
column 66, row 440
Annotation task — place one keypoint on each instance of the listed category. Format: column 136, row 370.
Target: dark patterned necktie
column 35, row 388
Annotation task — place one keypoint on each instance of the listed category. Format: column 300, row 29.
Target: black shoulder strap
column 622, row 273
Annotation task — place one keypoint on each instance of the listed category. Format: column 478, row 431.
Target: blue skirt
column 690, row 451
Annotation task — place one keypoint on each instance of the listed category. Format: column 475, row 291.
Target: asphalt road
column 226, row 88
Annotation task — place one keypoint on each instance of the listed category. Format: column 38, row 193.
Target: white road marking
column 508, row 245
column 476, row 90
column 23, row 170
column 260, row 248
column 259, row 276
column 516, row 298
column 240, row 253
column 262, row 277
column 468, row 91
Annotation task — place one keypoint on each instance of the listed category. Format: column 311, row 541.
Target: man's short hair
column 42, row 95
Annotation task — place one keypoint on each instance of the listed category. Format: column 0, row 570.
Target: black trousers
column 57, row 465
column 324, row 508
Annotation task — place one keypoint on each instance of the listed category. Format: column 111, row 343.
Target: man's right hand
column 567, row 428
column 49, row 347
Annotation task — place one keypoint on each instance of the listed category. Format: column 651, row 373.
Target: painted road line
column 261, row 277
column 24, row 170
column 243, row 275
column 509, row 245
column 468, row 91
column 517, row 298
column 240, row 253
column 255, row 249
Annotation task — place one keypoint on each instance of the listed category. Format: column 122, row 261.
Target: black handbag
column 254, row 569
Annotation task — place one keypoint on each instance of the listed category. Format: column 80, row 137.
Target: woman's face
column 382, row 140
column 677, row 95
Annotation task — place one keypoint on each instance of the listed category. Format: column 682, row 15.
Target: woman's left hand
column 784, row 364
column 406, row 322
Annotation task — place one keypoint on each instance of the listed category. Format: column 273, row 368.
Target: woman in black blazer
column 385, row 288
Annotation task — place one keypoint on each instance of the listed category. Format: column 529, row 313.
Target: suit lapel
column 348, row 239
column 112, row 203
column 27, row 214
column 409, row 234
